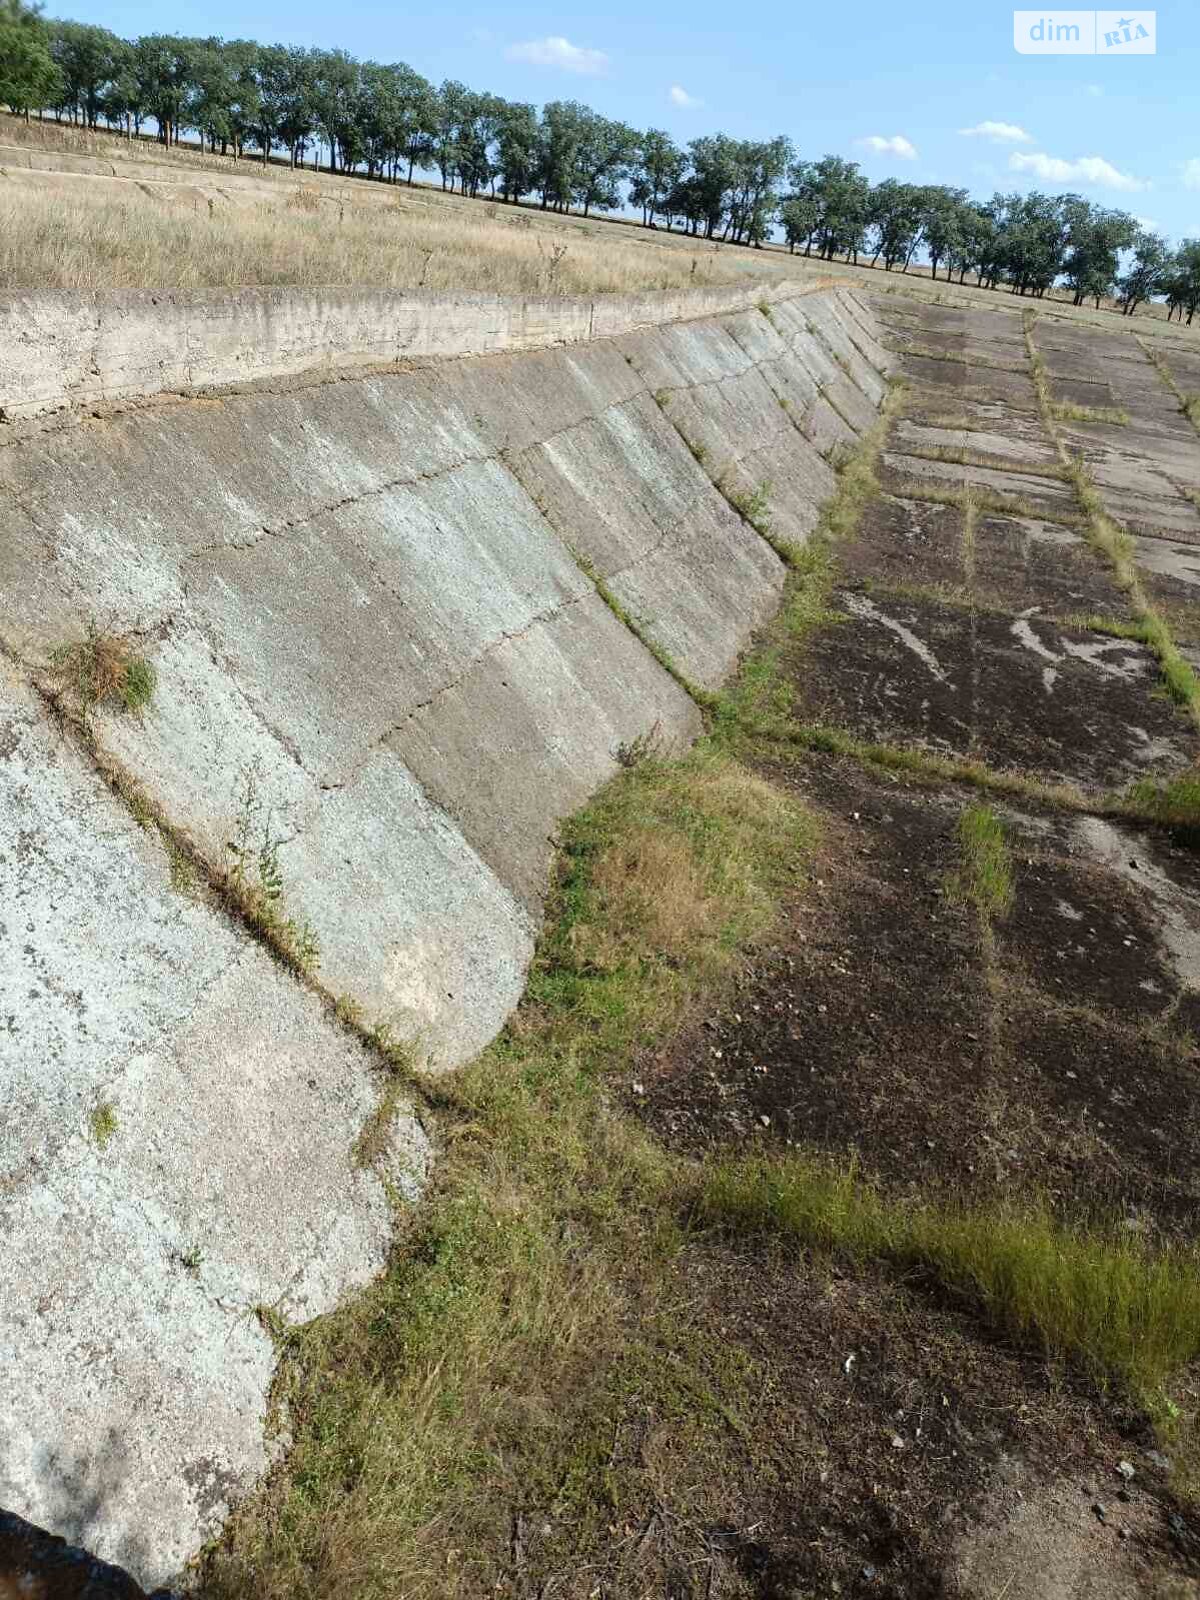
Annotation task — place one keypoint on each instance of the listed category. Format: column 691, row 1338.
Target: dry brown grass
column 110, row 242
column 104, row 669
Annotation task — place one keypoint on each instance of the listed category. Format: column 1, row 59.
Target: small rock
column 638, row 1088
column 1126, row 1470
column 897, row 1442
column 1157, row 1459
column 869, row 1574
column 764, row 1119
column 848, row 1364
column 1099, row 1512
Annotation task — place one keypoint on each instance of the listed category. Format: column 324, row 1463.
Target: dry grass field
column 99, row 211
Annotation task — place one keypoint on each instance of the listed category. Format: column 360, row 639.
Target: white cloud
column 555, row 51
column 897, row 145
column 1191, row 173
column 1095, row 90
column 680, row 97
column 998, row 133
column 1092, row 170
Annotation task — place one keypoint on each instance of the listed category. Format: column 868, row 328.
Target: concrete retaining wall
column 60, row 349
column 371, row 603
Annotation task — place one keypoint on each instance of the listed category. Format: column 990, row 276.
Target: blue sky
column 891, row 85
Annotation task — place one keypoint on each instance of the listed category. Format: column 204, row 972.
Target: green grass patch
column 1121, row 1309
column 985, row 878
column 984, row 500
column 1174, row 802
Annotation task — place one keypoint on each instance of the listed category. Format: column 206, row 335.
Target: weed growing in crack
column 183, row 874
column 102, row 669
column 644, row 747
column 641, row 631
column 191, row 1259
column 254, row 881
column 102, row 1123
column 752, row 505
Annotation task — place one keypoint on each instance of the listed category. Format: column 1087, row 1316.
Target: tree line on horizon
column 387, row 121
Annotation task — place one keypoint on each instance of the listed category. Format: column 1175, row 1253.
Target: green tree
column 943, row 220
column 517, row 149
column 88, row 59
column 658, row 166
column 1182, row 283
column 1097, row 237
column 164, row 66
column 604, row 152
column 1146, row 274
column 29, row 77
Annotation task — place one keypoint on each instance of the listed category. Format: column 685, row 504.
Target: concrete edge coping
column 61, row 350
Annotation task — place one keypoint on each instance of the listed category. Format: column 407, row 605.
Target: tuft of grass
column 183, row 873
column 102, row 1123
column 102, row 669
column 955, row 358
column 1120, row 1308
column 1067, row 411
column 1094, row 622
column 985, row 878
column 752, row 505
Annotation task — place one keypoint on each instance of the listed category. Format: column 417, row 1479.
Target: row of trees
column 387, row 121
column 1029, row 242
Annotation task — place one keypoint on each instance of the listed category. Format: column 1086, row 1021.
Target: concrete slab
column 1051, row 495
column 1018, row 692
column 179, row 1150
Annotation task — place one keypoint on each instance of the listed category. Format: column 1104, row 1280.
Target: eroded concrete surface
column 372, row 604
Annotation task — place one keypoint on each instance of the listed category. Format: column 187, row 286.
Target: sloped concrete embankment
column 383, row 603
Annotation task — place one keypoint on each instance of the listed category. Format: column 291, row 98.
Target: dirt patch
column 1017, row 692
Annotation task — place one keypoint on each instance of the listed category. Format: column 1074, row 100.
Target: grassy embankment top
column 181, row 220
